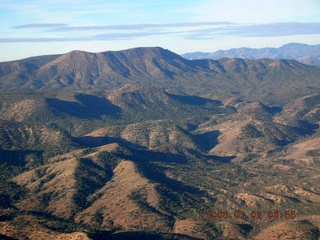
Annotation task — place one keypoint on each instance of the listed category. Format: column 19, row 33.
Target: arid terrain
column 145, row 144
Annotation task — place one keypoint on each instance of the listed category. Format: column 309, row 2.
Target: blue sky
column 39, row 27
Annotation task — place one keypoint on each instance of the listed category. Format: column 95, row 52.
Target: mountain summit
column 154, row 66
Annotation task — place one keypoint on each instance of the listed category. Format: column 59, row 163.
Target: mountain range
column 306, row 54
column 159, row 67
column 145, row 144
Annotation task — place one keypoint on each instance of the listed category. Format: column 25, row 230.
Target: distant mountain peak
column 307, row 54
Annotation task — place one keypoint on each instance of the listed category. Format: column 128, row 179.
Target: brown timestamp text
column 253, row 214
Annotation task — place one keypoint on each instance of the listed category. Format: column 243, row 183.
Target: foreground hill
column 139, row 161
column 307, row 54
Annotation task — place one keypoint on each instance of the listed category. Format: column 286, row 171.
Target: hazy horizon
column 33, row 28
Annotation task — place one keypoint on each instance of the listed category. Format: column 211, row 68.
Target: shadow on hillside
column 90, row 177
column 207, row 141
column 139, row 236
column 16, row 157
column 89, row 141
column 247, row 228
column 4, row 237
column 194, row 100
column 212, row 159
column 227, row 159
column 6, row 218
column 87, row 107
column 274, row 109
column 145, row 163
column 146, row 156
column 307, row 127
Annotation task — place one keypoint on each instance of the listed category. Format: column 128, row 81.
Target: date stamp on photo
column 254, row 214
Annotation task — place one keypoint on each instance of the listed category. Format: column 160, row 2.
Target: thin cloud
column 66, row 11
column 129, row 32
column 132, row 35
column 277, row 29
column 99, row 37
column 258, row 30
column 138, row 26
column 42, row 25
column 34, row 40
